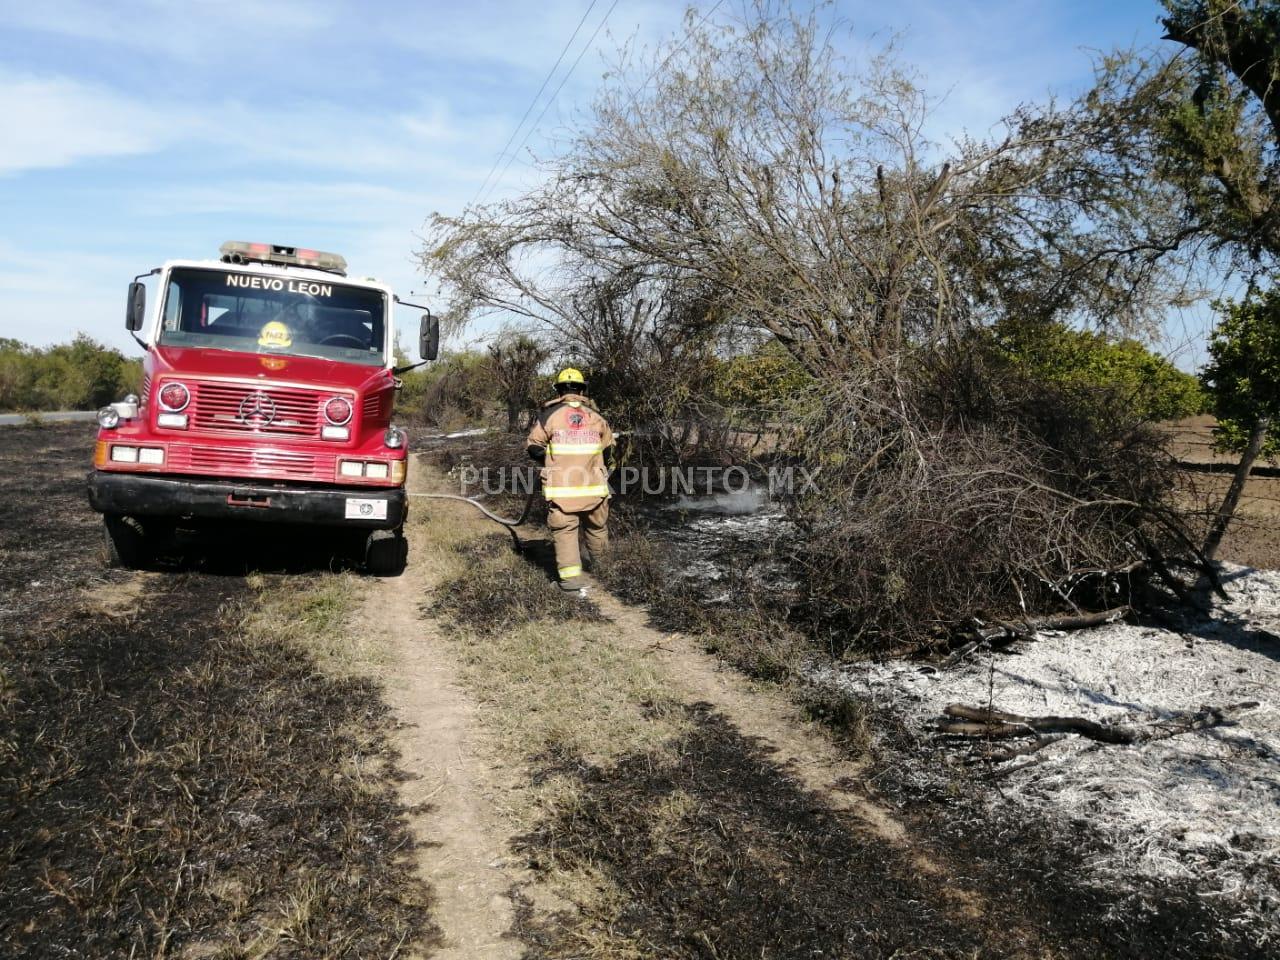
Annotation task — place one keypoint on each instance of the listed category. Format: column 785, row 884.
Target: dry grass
column 638, row 800
column 498, row 591
column 542, row 663
column 183, row 780
column 318, row 619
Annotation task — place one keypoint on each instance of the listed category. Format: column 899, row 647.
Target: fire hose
column 509, row 524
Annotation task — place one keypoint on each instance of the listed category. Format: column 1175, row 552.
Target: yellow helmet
column 570, row 376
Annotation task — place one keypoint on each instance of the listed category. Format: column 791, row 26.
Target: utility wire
column 565, row 79
column 532, row 103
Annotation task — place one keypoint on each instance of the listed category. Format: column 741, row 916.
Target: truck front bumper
column 133, row 495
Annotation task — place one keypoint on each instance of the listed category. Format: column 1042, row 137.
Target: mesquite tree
column 515, row 360
column 1244, row 380
column 1187, row 138
column 760, row 177
column 1223, row 146
column 754, row 186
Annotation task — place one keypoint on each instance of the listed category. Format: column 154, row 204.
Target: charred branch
column 969, row 721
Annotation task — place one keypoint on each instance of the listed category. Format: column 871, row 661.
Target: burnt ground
column 170, row 783
column 752, row 864
column 759, row 867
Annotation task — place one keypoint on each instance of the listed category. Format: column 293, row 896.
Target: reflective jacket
column 570, row 438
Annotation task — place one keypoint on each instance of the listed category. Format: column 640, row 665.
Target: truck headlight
column 174, row 396
column 339, row 411
column 108, row 418
column 394, row 438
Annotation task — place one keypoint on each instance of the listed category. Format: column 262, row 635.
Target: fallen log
column 991, row 724
column 1003, row 632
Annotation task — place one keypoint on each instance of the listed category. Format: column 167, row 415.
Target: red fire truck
column 267, row 395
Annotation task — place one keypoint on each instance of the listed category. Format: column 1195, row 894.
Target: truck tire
column 385, row 554
column 126, row 541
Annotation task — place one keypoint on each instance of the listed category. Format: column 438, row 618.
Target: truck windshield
column 280, row 315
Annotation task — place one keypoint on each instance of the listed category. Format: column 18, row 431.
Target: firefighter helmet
column 569, row 377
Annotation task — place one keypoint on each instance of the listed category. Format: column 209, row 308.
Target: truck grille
column 247, row 462
column 251, row 461
column 242, row 408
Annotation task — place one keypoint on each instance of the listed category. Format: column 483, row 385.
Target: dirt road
column 463, row 844
column 463, row 762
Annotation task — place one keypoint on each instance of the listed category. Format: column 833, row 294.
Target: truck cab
column 268, row 389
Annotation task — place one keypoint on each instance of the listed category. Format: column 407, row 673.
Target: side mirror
column 429, row 337
column 137, row 308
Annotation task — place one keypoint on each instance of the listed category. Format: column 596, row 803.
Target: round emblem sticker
column 275, row 334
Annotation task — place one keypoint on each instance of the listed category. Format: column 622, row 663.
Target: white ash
column 473, row 432
column 1202, row 806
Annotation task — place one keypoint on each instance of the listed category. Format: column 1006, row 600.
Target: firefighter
column 571, row 441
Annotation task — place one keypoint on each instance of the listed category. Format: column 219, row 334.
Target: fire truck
column 268, row 388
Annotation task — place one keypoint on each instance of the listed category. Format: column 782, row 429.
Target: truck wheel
column 385, row 553
column 127, row 545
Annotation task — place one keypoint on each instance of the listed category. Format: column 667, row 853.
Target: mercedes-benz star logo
column 257, row 409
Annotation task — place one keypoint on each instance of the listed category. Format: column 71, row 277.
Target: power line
column 563, row 81
column 532, row 103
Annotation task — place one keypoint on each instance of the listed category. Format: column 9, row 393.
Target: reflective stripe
column 594, row 490
column 567, row 573
column 563, row 449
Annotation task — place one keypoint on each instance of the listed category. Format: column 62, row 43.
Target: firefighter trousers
column 566, row 528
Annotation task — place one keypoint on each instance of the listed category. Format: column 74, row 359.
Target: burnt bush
column 957, row 486
column 498, row 590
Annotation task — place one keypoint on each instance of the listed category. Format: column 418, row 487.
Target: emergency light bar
column 237, row 251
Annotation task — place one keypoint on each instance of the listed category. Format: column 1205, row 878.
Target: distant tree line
column 80, row 375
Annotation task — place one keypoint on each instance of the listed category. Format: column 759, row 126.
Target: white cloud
column 57, row 121
column 325, row 135
column 191, row 31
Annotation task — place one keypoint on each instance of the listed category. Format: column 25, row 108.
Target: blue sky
column 140, row 130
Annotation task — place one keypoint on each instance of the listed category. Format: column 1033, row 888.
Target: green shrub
column 1081, row 360
column 767, row 378
column 1243, row 376
column 458, row 388
column 81, row 375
